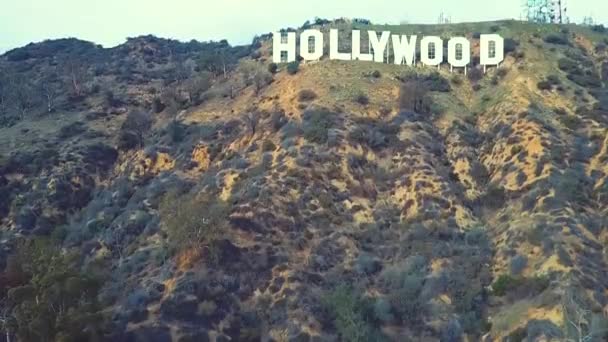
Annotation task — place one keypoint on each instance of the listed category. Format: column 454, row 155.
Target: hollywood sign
column 491, row 48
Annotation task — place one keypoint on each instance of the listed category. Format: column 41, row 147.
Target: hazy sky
column 109, row 22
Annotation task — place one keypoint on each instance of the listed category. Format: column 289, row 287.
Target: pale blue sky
column 109, row 22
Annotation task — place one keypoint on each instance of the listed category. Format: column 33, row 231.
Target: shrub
column 177, row 131
column 157, row 105
column 404, row 282
column 133, row 129
column 452, row 332
column 475, row 74
column 362, row 99
column 293, row 67
column 456, row 80
column 505, row 283
column 510, row 45
column 272, row 68
column 383, row 311
column 432, row 82
column 532, row 286
column 48, row 297
column 553, row 79
column 495, row 196
column 414, row 96
column 306, row 95
column 351, row 314
column 518, row 264
column 589, row 80
column 556, row 39
column 376, row 74
column 570, row 121
column 544, row 85
column 192, row 220
column 598, row 28
column 567, row 65
column 268, row 145
column 502, row 72
column 316, row 125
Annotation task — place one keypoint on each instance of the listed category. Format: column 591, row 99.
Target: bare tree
column 22, row 95
column 76, row 74
column 172, row 100
column 255, row 74
column 252, row 119
column 5, row 319
column 3, row 91
column 50, row 91
column 196, row 86
column 133, row 130
column 182, row 70
column 581, row 323
column 215, row 61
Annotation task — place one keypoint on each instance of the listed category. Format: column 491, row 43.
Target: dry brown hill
column 163, row 191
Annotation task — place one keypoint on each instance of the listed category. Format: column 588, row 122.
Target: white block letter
column 465, row 47
column 379, row 46
column 334, row 46
column 425, row 47
column 357, row 55
column 317, row 52
column 279, row 46
column 491, row 49
column 404, row 49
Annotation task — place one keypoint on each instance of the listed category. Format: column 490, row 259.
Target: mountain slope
column 213, row 199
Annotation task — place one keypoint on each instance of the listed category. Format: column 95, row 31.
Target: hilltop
column 167, row 191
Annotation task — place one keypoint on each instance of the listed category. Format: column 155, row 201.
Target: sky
column 110, row 22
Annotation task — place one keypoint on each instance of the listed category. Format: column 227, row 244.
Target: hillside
column 167, row 191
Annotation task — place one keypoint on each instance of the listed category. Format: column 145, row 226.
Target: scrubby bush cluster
column 316, row 124
column 47, row 297
column 352, row 314
column 192, row 220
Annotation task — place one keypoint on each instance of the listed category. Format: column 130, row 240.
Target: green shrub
column 351, row 314
column 191, row 220
column 48, row 297
column 293, row 67
column 177, row 131
column 306, row 95
column 589, row 80
column 510, row 45
column 532, row 286
column 362, row 99
column 404, row 282
column 475, row 74
column 432, row 82
column 268, row 145
column 316, row 125
column 570, row 121
column 544, row 85
column 505, row 283
column 553, row 79
column 495, row 196
column 556, row 39
column 567, row 65
column 272, row 68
